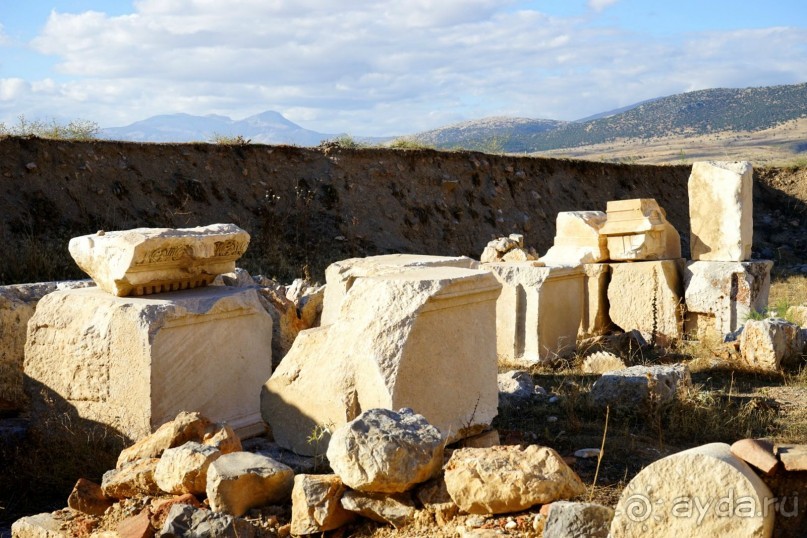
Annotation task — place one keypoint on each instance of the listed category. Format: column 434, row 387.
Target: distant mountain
column 489, row 134
column 265, row 128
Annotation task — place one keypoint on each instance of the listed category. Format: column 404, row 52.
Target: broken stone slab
column 396, row 509
column 184, row 520
column 184, row 469
column 758, row 453
column 578, row 520
column 648, row 296
column 153, row 260
column 424, row 339
column 596, row 320
column 508, row 478
column 577, row 239
column 539, row 311
column 601, row 362
column 88, row 497
column 133, row 363
column 771, row 344
column 638, row 230
column 341, row 275
column 239, row 481
column 17, row 305
column 793, row 457
column 131, row 479
column 721, row 211
column 315, row 504
column 640, row 385
column 703, row 491
column 386, row 451
column 721, row 296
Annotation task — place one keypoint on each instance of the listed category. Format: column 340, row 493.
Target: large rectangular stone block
column 578, row 239
column 134, row 363
column 649, row 297
column 721, row 211
column 721, row 295
column 539, row 312
column 638, row 230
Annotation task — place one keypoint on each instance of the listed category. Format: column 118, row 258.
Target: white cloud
column 378, row 67
column 599, row 5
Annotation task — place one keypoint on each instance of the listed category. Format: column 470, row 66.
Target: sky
column 383, row 67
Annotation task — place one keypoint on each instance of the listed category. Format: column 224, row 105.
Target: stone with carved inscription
column 143, row 261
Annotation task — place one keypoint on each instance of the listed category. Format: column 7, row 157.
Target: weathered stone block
column 577, row 520
column 150, row 260
column 771, row 344
column 648, row 296
column 340, row 276
column 596, row 320
column 184, row 469
column 539, row 311
column 703, row 491
column 721, row 211
column 239, row 481
column 315, row 505
column 638, row 230
column 423, row 339
column 134, row 363
column 578, row 239
column 722, row 295
column 638, row 385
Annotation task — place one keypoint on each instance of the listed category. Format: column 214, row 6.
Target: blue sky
column 383, row 67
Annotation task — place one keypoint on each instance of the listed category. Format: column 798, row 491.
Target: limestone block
column 756, row 452
column 721, row 211
column 578, row 239
column 384, row 451
column 648, row 296
column 131, row 479
column 134, row 363
column 185, row 427
column 508, row 478
column 340, row 276
column 771, row 344
column 17, row 305
column 315, row 504
column 578, row 520
column 239, row 481
column 184, row 469
column 44, row 525
column 89, row 498
column 595, row 321
column 396, row 509
column 150, row 260
column 703, row 491
column 641, row 384
column 638, row 230
column 187, row 520
column 722, row 295
column 423, row 339
column 539, row 311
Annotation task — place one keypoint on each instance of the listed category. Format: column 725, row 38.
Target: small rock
column 475, row 521
column 184, row 469
column 38, row 526
column 132, row 479
column 185, row 427
column 640, row 384
column 601, row 362
column 516, row 386
column 222, row 437
column 315, row 504
column 771, row 344
column 397, row 509
column 138, row 526
column 793, row 457
column 89, row 498
column 161, row 507
column 578, row 520
column 551, row 418
column 585, row 453
column 482, row 440
column 239, row 481
column 434, row 498
column 384, row 451
column 511, row 525
column 299, row 464
column 757, row 452
column 186, row 521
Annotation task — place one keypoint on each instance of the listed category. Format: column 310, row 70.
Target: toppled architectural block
column 340, row 276
column 17, row 305
column 771, row 344
column 648, row 296
column 638, row 230
column 640, row 384
column 578, row 239
column 721, row 211
column 133, row 363
column 152, row 260
column 595, row 321
column 670, row 497
column 539, row 311
column 722, row 295
column 423, row 338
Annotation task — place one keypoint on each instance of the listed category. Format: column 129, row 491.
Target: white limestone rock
column 601, row 362
column 184, row 469
column 721, row 211
column 577, row 239
column 517, row 386
column 315, row 504
column 386, row 451
column 638, row 230
column 239, row 481
column 703, row 491
column 596, row 320
column 44, row 525
column 396, row 509
column 641, row 384
column 577, row 520
column 771, row 344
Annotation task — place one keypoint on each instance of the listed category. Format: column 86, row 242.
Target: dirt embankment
column 307, row 207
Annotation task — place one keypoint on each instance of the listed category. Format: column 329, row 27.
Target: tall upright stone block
column 340, row 275
column 422, row 338
column 721, row 211
column 721, row 296
column 648, row 296
column 578, row 239
column 596, row 320
column 539, row 312
column 134, row 363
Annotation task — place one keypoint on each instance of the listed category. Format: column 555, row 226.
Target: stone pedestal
column 596, row 320
column 423, row 339
column 340, row 276
column 721, row 295
column 648, row 296
column 539, row 312
column 134, row 363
